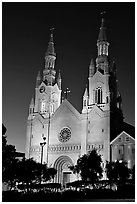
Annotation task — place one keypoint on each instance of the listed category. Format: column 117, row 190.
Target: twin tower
column 64, row 132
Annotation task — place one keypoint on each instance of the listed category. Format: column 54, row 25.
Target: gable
column 65, row 109
column 123, row 138
column 97, row 112
column 56, row 88
column 99, row 78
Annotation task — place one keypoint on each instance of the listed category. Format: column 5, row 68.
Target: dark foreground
column 87, row 195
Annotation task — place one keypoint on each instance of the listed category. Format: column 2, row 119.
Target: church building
column 58, row 134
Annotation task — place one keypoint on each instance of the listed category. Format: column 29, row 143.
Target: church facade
column 57, row 133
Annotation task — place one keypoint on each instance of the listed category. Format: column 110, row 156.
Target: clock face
column 42, row 89
column 64, row 134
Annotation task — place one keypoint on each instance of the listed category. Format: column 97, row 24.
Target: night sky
column 25, row 36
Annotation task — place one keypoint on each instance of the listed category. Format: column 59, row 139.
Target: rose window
column 64, row 135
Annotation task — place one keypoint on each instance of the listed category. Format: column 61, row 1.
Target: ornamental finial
column 102, row 18
column 51, row 35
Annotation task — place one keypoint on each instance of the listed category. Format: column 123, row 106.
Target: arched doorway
column 62, row 164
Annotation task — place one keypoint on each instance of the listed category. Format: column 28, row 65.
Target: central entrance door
column 64, row 174
column 66, row 178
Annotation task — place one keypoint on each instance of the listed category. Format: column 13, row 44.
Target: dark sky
column 25, row 35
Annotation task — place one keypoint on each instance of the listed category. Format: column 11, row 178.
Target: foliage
column 51, row 172
column 117, row 171
column 30, row 172
column 89, row 167
column 26, row 171
column 9, row 161
column 4, row 129
column 4, row 140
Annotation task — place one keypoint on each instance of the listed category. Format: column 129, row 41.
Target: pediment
column 56, row 88
column 66, row 108
column 99, row 78
column 97, row 112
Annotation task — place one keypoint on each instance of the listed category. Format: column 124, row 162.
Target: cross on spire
column 51, row 29
column 102, row 14
column 102, row 17
column 51, row 35
column 66, row 92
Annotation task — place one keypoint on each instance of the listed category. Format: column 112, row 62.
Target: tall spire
column 102, row 44
column 51, row 49
column 59, row 80
column 31, row 107
column 85, row 100
column 91, row 68
column 50, row 57
column 66, row 93
column 86, row 93
column 119, row 101
column 102, row 34
column 38, row 80
column 32, row 103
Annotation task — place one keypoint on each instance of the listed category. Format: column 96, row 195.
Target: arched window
column 104, row 49
column 84, row 102
column 100, row 50
column 95, row 96
column 43, row 105
column 98, row 95
column 107, row 99
column 50, row 64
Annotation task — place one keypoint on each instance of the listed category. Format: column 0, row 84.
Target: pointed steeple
column 102, row 62
column 59, row 76
column 32, row 103
column 50, row 57
column 85, row 100
column 31, row 107
column 51, row 49
column 92, row 68
column 59, row 80
column 38, row 80
column 102, row 43
column 119, row 101
column 102, row 34
column 86, row 92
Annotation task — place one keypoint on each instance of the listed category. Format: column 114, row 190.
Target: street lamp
column 42, row 144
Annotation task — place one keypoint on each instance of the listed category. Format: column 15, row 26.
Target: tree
column 117, row 171
column 89, row 167
column 9, row 161
column 26, row 171
column 111, row 171
column 4, row 141
column 9, row 175
column 31, row 173
column 49, row 174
